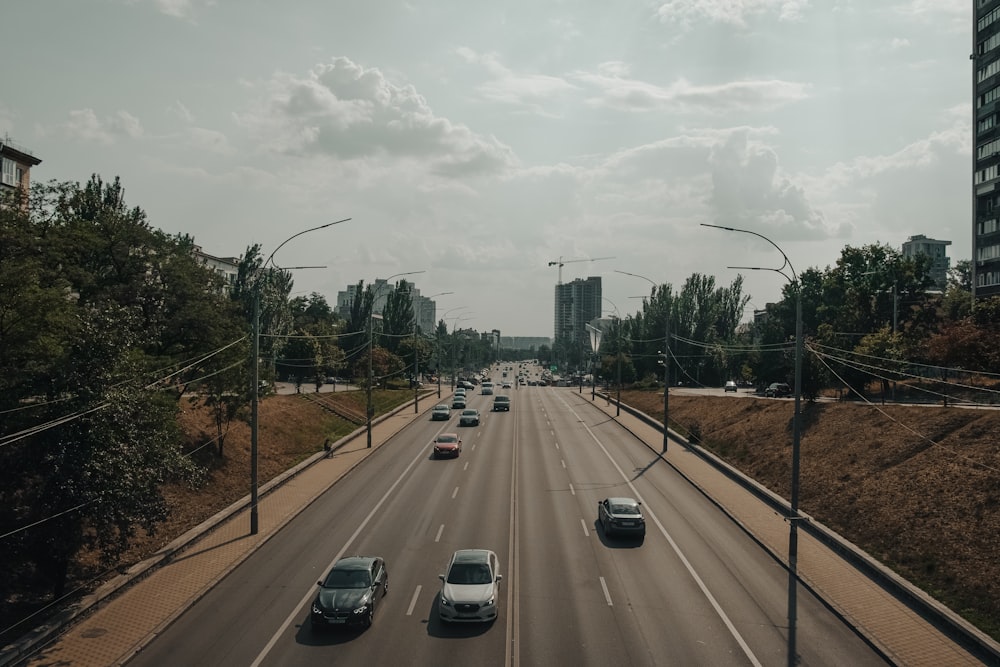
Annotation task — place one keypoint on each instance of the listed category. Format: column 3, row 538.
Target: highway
column 696, row 591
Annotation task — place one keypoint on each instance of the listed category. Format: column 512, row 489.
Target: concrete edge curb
column 27, row 645
column 951, row 624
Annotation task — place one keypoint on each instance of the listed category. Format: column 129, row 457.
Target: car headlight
column 444, row 601
column 489, row 603
column 362, row 609
column 316, row 609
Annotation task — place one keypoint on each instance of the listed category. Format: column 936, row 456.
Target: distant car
column 471, row 587
column 532, row 383
column 621, row 516
column 501, row 402
column 460, row 392
column 458, row 403
column 731, row 386
column 505, row 385
column 469, row 417
column 447, row 444
column 777, row 390
column 350, row 592
column 441, row 412
column 465, row 384
column 486, row 388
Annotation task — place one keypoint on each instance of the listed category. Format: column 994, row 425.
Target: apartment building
column 15, row 166
column 986, row 155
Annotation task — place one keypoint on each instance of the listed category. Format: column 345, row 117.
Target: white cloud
column 344, row 110
column 750, row 190
column 686, row 13
column 84, row 125
column 534, row 92
column 617, row 92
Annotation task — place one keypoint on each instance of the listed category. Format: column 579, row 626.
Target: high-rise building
column 936, row 250
column 576, row 304
column 986, row 153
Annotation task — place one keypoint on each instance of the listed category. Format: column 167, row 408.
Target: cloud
column 685, row 13
column 84, row 125
column 750, row 190
column 616, row 91
column 341, row 109
column 533, row 92
column 181, row 9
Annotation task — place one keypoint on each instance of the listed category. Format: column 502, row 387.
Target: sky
column 483, row 144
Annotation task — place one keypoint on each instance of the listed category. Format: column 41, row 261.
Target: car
column 777, row 390
column 447, row 444
column 505, row 385
column 349, row 593
column 486, row 389
column 621, row 516
column 461, row 392
column 465, row 384
column 730, row 386
column 469, row 417
column 458, row 403
column 441, row 412
column 501, row 402
column 470, row 587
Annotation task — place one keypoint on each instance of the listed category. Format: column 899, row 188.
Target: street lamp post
column 444, row 318
column 255, row 389
column 416, row 318
column 370, row 412
column 794, row 518
column 666, row 357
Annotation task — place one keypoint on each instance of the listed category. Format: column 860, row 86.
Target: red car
column 447, row 444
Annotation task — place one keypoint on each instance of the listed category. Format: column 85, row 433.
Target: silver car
column 471, row 587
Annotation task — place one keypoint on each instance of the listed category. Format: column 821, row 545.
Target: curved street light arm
column 780, row 269
column 294, row 236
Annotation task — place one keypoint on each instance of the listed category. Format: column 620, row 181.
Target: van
column 501, row 403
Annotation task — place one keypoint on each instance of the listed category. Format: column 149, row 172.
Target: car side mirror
column 319, row 583
column 441, row 577
column 499, row 578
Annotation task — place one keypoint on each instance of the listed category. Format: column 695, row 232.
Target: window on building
column 8, row 173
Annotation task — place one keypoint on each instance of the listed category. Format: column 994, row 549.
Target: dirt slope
column 917, row 487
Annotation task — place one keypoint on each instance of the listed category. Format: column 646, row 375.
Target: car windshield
column 624, row 509
column 447, row 438
column 470, row 573
column 469, row 413
column 347, row 579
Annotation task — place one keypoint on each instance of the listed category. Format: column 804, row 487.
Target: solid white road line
column 347, row 545
column 747, row 651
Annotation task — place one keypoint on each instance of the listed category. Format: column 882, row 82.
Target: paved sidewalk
column 120, row 625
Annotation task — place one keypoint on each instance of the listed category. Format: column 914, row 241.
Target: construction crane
column 561, row 261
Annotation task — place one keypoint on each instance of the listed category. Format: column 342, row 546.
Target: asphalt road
column 697, row 591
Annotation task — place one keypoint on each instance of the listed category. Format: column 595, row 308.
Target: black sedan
column 621, row 516
column 350, row 592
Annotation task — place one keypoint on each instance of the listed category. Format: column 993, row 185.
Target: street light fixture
column 255, row 389
column 416, row 318
column 666, row 355
column 794, row 518
column 618, row 339
column 370, row 412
